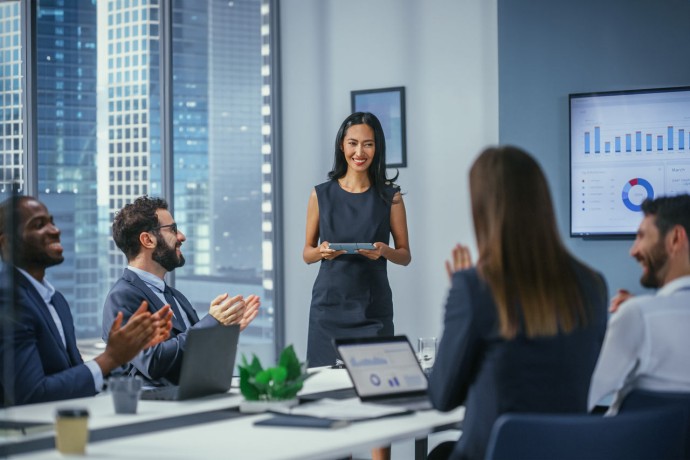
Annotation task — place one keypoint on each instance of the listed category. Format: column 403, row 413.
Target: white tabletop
column 239, row 438
column 234, row 437
column 102, row 412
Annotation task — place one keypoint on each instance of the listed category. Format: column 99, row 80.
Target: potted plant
column 274, row 387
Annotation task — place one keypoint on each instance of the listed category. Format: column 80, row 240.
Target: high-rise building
column 131, row 65
column 66, row 133
column 99, row 140
column 11, row 140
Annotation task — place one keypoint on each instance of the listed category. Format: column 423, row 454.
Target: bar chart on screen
column 625, row 147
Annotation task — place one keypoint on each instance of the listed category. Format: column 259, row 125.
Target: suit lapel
column 63, row 311
column 155, row 303
column 42, row 309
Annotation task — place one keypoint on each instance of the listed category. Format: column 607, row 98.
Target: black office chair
column 643, row 435
column 645, row 399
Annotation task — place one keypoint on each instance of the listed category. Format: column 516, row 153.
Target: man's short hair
column 133, row 219
column 669, row 212
column 8, row 211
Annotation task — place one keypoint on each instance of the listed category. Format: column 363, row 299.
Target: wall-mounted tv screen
column 625, row 146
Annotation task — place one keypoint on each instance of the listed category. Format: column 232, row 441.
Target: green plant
column 281, row 382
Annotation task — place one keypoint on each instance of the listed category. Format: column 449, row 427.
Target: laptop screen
column 382, row 366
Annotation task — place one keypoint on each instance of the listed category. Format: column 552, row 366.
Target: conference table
column 212, row 427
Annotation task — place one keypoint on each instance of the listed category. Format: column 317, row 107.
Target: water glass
column 426, row 353
column 125, row 391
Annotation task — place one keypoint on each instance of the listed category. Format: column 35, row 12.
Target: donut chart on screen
column 629, row 185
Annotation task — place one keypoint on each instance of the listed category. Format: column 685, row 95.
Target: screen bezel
column 571, row 96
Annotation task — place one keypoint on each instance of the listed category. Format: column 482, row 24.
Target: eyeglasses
column 173, row 227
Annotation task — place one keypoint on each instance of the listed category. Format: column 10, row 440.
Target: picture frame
column 388, row 104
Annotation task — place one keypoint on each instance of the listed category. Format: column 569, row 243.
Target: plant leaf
column 289, row 360
column 249, row 391
column 280, row 382
column 288, row 391
column 255, row 367
column 263, row 377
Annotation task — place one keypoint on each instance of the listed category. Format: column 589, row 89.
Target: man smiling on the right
column 647, row 343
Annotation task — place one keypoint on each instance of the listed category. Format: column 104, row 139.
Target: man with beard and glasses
column 647, row 343
column 148, row 236
column 42, row 349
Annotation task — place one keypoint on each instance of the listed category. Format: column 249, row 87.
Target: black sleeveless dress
column 351, row 295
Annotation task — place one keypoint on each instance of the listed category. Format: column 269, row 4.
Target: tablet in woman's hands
column 351, row 248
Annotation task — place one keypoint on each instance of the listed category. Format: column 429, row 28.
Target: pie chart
column 640, row 189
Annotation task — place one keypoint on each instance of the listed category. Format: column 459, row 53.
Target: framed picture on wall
column 388, row 104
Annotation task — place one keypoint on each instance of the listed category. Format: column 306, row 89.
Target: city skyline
column 99, row 139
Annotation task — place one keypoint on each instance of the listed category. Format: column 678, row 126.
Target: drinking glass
column 426, row 353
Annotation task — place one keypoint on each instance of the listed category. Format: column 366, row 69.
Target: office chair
column 643, row 435
column 645, row 399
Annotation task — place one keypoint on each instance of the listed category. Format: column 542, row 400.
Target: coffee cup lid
column 73, row 412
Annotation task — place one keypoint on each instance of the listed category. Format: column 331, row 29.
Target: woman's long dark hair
column 377, row 169
column 521, row 255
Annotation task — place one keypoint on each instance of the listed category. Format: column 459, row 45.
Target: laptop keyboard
column 412, row 403
column 342, row 393
column 168, row 393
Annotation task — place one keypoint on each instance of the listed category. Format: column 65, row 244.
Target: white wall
column 444, row 52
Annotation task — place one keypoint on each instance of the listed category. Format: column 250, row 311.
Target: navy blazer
column 44, row 369
column 491, row 376
column 160, row 364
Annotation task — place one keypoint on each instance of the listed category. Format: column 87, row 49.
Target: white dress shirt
column 647, row 346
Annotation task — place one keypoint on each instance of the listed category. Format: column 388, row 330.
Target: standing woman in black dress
column 358, row 204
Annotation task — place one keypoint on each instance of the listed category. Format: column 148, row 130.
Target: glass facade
column 66, row 62
column 99, row 107
column 11, row 139
column 217, row 160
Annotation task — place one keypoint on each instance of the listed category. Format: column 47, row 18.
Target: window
column 217, row 162
column 11, row 90
column 92, row 162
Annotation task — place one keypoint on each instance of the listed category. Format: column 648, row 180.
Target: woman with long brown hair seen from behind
column 522, row 329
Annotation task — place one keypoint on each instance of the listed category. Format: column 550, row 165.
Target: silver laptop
column 385, row 370
column 207, row 365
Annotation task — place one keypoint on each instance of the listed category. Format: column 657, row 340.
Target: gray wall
column 445, row 54
column 550, row 48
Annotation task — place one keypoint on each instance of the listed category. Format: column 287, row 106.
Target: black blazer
column 44, row 368
column 491, row 376
column 159, row 364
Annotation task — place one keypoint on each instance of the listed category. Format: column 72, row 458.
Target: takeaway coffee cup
column 71, row 430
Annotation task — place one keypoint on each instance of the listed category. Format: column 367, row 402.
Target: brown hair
column 133, row 219
column 521, row 256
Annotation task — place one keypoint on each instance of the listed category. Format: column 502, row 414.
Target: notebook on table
column 207, row 365
column 385, row 370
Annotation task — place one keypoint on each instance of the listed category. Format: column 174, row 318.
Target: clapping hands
column 618, row 299
column 460, row 260
column 235, row 310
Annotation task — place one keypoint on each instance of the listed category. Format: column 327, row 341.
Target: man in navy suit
column 147, row 234
column 41, row 348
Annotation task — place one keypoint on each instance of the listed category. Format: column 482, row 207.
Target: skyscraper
column 11, row 141
column 132, row 107
column 66, row 125
column 99, row 139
